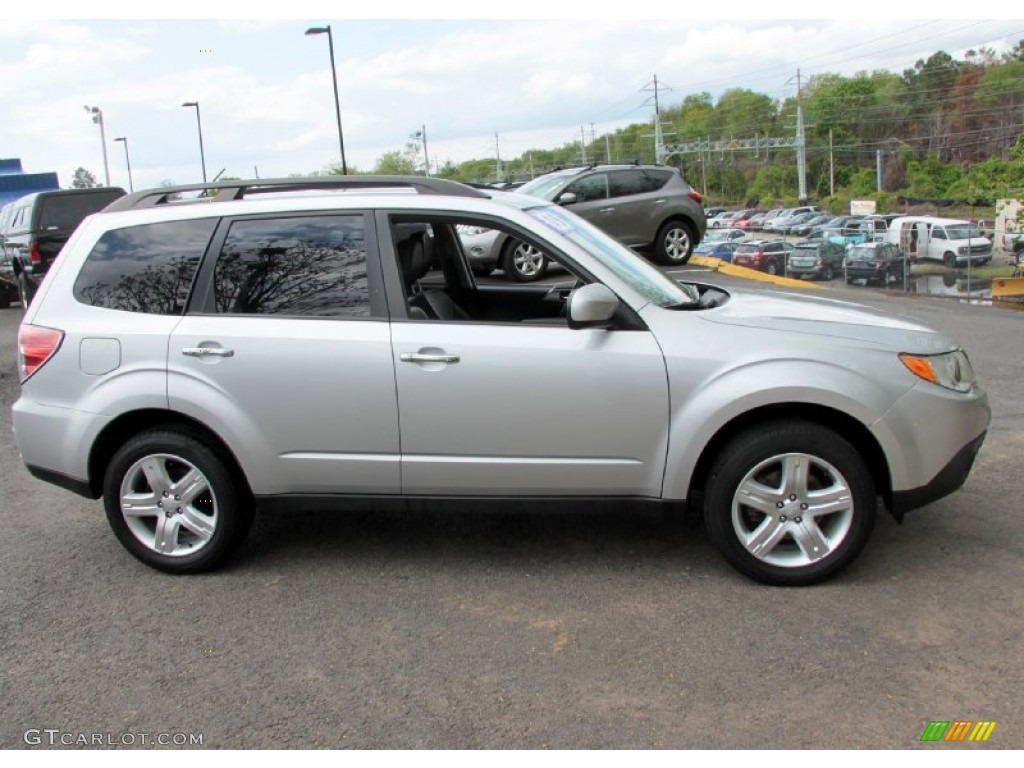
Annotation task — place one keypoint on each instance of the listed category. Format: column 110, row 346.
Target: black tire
column 829, row 273
column 772, row 269
column 482, row 270
column 199, row 533
column 674, row 243
column 754, row 460
column 949, row 259
column 523, row 263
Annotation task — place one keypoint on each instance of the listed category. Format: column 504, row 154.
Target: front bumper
column 949, row 479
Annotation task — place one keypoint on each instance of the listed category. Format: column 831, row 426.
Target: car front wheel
column 789, row 503
column 173, row 502
column 674, row 243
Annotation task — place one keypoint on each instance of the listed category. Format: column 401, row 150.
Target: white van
column 951, row 241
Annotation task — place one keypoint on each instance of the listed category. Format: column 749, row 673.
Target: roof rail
column 223, row 191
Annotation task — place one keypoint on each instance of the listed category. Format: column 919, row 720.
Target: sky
column 267, row 104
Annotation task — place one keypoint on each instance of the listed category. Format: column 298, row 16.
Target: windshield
column 544, row 186
column 627, row 266
column 964, row 232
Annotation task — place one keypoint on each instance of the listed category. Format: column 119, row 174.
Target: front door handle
column 606, row 210
column 208, row 352
column 420, row 357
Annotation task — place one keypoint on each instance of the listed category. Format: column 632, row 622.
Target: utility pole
column 498, row 173
column 831, row 166
column 583, row 144
column 704, row 169
column 878, row 169
column 659, row 140
column 608, row 149
column 801, row 154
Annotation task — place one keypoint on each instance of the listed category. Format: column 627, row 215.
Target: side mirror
column 567, row 198
column 591, row 306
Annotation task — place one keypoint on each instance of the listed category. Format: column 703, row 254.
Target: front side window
column 148, row 268
column 592, row 187
column 312, row 266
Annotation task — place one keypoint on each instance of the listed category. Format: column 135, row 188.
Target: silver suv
column 639, row 205
column 297, row 345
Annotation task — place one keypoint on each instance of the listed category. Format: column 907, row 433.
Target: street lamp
column 199, row 124
column 422, row 134
column 334, row 77
column 131, row 187
column 97, row 117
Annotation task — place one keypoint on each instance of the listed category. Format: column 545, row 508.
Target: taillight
column 36, row 345
column 33, row 253
column 696, row 196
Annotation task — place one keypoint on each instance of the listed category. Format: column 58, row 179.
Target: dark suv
column 39, row 225
column 639, row 205
column 817, row 259
column 876, row 262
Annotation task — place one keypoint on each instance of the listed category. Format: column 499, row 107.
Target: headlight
column 951, row 370
column 962, row 250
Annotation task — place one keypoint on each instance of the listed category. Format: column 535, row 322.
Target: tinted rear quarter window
column 148, row 268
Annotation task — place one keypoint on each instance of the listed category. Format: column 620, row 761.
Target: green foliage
column 83, row 179
column 929, row 177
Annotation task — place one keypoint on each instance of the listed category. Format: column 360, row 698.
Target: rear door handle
column 208, row 352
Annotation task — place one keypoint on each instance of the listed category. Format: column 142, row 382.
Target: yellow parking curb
column 751, row 274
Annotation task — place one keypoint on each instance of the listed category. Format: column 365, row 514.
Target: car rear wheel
column 173, row 502
column 789, row 503
column 674, row 243
column 523, row 263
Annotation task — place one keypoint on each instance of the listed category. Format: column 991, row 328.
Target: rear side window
column 147, row 269
column 65, row 212
column 637, row 182
column 306, row 266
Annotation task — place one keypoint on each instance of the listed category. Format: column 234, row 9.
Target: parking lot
column 606, row 628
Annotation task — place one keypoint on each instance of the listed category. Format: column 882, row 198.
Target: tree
column 83, row 179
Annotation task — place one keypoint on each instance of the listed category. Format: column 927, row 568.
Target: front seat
column 416, row 257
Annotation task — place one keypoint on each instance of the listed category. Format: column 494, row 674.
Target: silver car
column 191, row 362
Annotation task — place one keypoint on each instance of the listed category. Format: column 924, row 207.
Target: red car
column 744, row 220
column 763, row 255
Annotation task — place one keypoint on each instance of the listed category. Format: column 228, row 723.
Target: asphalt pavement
column 599, row 629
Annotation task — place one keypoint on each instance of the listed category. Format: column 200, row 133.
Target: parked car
column 954, row 242
column 804, row 228
column 764, row 255
column 489, row 248
column 821, row 259
column 40, row 224
column 719, row 249
column 639, row 205
column 191, row 362
column 875, row 262
column 756, row 221
column 743, row 220
column 726, row 234
column 787, row 216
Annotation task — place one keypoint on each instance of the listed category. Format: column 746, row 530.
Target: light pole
column 334, row 77
column 131, row 187
column 97, row 117
column 199, row 124
column 422, row 134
